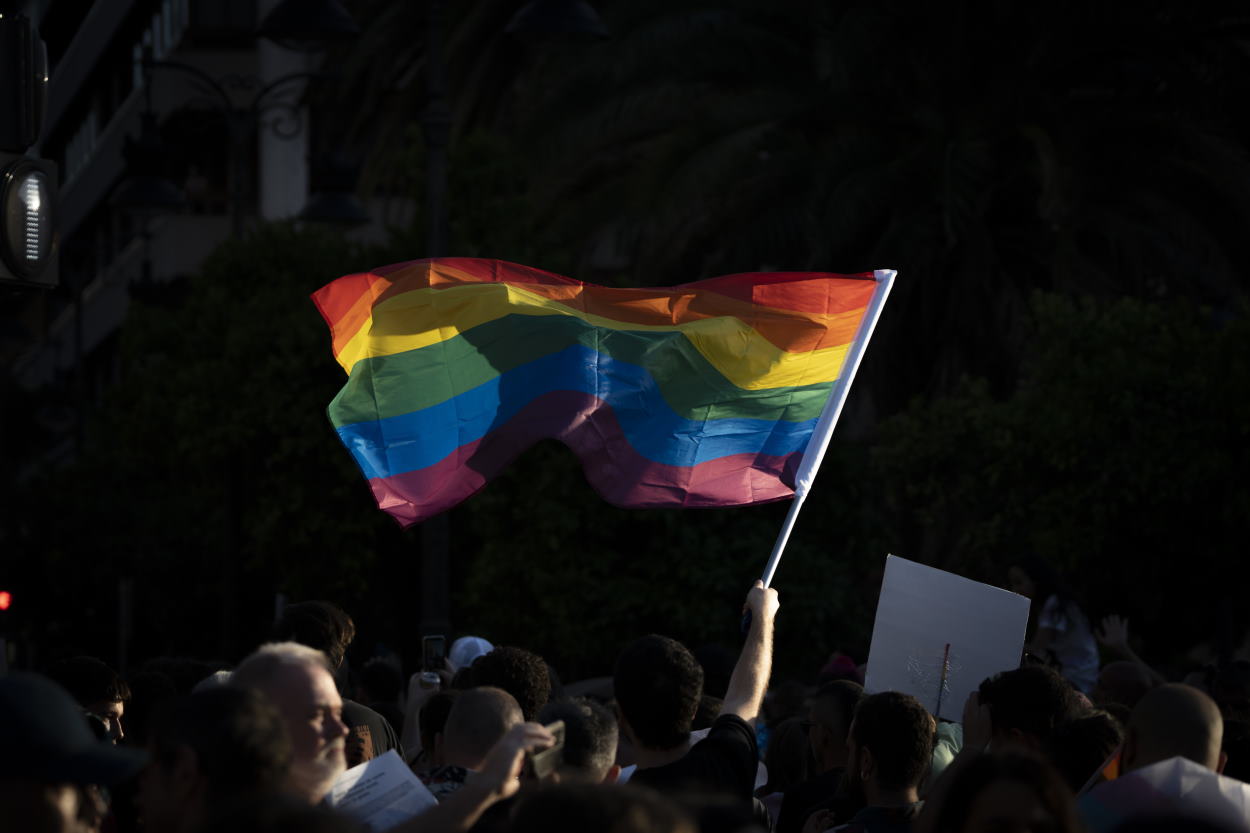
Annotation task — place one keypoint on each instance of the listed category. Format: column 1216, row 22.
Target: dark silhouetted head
column 479, row 717
column 97, row 688
column 1027, row 703
column 658, row 684
column 831, row 712
column 520, row 673
column 897, row 733
column 210, row 747
column 1121, row 682
column 590, row 737
column 1174, row 720
column 319, row 625
column 1008, row 791
column 1078, row 748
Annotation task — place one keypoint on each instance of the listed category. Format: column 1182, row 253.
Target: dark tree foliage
column 1089, row 157
column 1119, row 458
column 210, row 474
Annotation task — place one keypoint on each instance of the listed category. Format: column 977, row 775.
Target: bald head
column 478, row 719
column 1174, row 720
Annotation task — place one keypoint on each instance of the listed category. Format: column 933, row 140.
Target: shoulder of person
column 729, row 728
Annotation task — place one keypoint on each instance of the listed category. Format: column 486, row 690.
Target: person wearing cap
column 424, row 684
column 51, row 757
column 465, row 651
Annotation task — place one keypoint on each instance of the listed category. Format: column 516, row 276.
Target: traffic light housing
column 28, row 186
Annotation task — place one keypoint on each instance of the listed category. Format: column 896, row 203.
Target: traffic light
column 6, row 599
column 28, row 186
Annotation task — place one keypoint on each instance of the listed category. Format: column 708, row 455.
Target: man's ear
column 1223, row 762
column 613, row 774
column 866, row 764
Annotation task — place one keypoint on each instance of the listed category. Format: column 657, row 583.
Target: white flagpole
column 819, row 442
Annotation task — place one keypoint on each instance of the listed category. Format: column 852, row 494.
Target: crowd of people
column 1063, row 743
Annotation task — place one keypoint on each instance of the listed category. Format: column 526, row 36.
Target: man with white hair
column 297, row 680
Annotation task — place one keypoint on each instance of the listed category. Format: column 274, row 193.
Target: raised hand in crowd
column 749, row 680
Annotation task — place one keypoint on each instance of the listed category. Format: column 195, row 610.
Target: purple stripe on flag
column 621, row 475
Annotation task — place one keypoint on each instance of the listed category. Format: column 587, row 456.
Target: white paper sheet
column 381, row 793
column 938, row 635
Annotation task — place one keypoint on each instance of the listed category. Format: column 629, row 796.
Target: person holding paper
column 297, row 680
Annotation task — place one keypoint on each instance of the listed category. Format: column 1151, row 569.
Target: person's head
column 520, row 673
column 1007, row 791
column 297, row 681
column 608, row 808
column 319, row 625
column 211, row 747
column 51, row 758
column 1174, row 720
column 150, row 691
column 1078, row 748
column 890, row 744
column 1027, row 703
column 98, row 689
column 658, row 684
column 432, row 721
column 1121, row 682
column 830, row 714
column 478, row 718
column 786, row 756
column 590, row 737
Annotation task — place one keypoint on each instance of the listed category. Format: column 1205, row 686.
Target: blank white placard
column 938, row 635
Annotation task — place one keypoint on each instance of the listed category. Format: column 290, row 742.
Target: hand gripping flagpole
column 819, row 442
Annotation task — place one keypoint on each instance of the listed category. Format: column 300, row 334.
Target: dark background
column 1061, row 370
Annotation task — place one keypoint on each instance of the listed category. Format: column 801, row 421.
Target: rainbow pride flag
column 704, row 394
